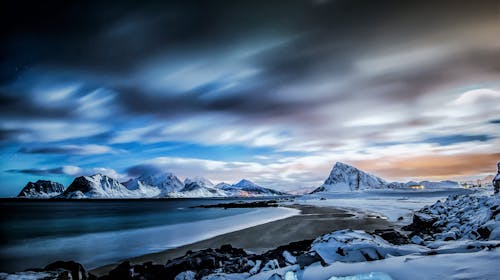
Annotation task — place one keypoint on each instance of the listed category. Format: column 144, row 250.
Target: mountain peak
column 41, row 189
column 345, row 177
column 245, row 182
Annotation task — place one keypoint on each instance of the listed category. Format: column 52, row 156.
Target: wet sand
column 311, row 223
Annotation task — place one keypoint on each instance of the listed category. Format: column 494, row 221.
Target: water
column 35, row 233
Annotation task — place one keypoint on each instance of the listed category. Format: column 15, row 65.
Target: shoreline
column 311, row 222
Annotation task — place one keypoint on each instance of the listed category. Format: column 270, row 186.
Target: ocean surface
column 35, row 233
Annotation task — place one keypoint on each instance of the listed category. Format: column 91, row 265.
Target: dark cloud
column 457, row 138
column 143, row 169
column 294, row 75
column 39, row 172
column 67, row 150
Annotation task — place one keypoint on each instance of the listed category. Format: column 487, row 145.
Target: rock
column 41, row 189
column 290, row 275
column 417, row 240
column 122, row 271
column 275, row 276
column 186, row 275
column 77, row 271
column 270, row 265
column 308, row 259
column 484, row 232
column 393, row 236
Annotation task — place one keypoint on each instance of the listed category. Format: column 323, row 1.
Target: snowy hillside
column 41, row 189
column 247, row 188
column 97, row 186
column 344, row 177
column 198, row 187
column 153, row 185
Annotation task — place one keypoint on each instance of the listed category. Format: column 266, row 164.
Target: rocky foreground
column 460, row 224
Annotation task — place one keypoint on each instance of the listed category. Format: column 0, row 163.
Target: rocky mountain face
column 248, row 188
column 97, row 186
column 157, row 184
column 344, row 177
column 198, row 187
column 41, row 189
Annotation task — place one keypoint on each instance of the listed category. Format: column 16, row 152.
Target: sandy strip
column 312, row 222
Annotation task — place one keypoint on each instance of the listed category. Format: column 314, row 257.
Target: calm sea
column 35, row 233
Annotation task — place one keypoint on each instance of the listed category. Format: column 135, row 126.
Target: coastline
column 312, row 222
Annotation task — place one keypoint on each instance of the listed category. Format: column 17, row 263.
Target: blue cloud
column 457, row 138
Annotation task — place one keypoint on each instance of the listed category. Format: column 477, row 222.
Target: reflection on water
column 34, row 233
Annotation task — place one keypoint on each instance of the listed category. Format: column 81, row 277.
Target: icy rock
column 289, row 258
column 364, row 276
column 290, row 275
column 358, row 246
column 417, row 240
column 35, row 275
column 466, row 217
column 271, row 265
column 275, row 276
column 256, row 267
column 185, row 275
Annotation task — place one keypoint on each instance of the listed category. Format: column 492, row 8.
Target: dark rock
column 122, row 271
column 308, row 259
column 484, row 232
column 77, row 271
column 41, row 188
column 392, row 236
column 421, row 225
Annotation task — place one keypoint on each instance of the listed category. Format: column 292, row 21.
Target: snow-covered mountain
column 247, row 188
column 97, row 186
column 198, row 187
column 344, row 177
column 41, row 189
column 153, row 185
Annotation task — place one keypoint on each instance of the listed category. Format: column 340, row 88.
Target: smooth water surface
column 35, row 233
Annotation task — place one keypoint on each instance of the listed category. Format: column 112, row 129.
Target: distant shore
column 311, row 223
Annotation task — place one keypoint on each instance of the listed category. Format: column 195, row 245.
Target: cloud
column 473, row 96
column 63, row 170
column 457, row 138
column 71, row 170
column 89, row 149
column 433, row 166
column 295, row 78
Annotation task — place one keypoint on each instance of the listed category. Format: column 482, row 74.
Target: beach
column 312, row 222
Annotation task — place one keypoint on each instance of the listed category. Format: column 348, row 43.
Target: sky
column 271, row 91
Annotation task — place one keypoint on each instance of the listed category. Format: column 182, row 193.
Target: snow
column 156, row 184
column 41, row 189
column 358, row 246
column 186, row 275
column 347, row 178
column 463, row 217
column 224, row 276
column 390, row 204
column 198, row 187
column 97, row 186
column 344, row 177
column 478, row 265
column 289, row 258
column 363, row 276
column 27, row 275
